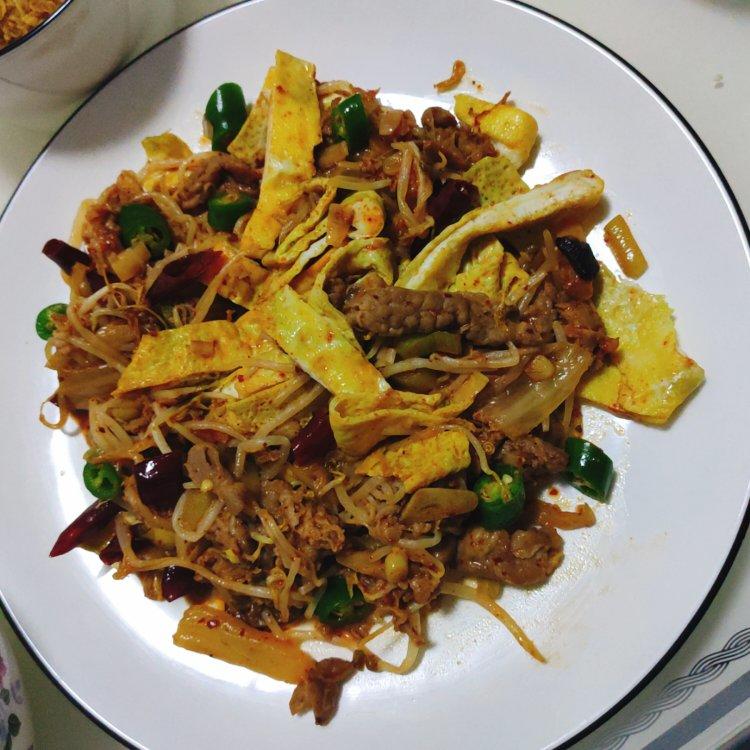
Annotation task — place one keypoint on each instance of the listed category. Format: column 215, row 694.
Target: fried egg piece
column 513, row 129
column 480, row 272
column 420, row 459
column 249, row 144
column 359, row 424
column 293, row 133
column 496, row 179
column 180, row 354
column 650, row 377
column 318, row 346
column 437, row 264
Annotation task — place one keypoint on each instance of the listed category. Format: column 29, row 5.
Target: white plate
column 629, row 587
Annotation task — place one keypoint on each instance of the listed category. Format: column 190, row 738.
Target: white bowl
column 63, row 58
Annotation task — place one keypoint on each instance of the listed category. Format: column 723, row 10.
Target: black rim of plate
column 742, row 530
column 16, row 43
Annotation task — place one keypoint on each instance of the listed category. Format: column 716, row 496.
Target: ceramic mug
column 16, row 732
column 66, row 56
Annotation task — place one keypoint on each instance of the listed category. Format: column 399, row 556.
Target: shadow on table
column 732, row 5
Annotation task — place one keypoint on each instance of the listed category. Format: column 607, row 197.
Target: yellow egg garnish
column 420, row 459
column 650, row 377
column 293, row 133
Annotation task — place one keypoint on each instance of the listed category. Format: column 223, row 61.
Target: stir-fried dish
column 19, row 17
column 327, row 366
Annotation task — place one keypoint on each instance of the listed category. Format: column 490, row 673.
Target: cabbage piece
column 207, row 630
column 242, row 279
column 255, row 377
column 488, row 269
column 164, row 147
column 248, row 381
column 304, row 234
column 316, row 344
column 496, row 179
column 439, row 261
column 370, row 254
column 311, row 243
column 252, row 390
column 524, row 404
column 650, row 377
column 359, row 424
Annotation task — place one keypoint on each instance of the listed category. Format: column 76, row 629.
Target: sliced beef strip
column 460, row 146
column 206, row 173
column 251, row 611
column 535, row 325
column 320, row 688
column 393, row 311
column 313, row 527
column 527, row 557
column 535, row 456
column 336, row 288
column 581, row 322
column 437, row 117
column 203, row 464
column 254, row 611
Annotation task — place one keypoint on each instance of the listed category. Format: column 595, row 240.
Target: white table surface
column 697, row 52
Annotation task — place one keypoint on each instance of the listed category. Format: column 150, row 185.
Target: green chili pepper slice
column 424, row 345
column 590, row 469
column 224, row 210
column 226, row 112
column 350, row 124
column 45, row 327
column 416, row 381
column 337, row 607
column 141, row 222
column 102, row 480
column 500, row 503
